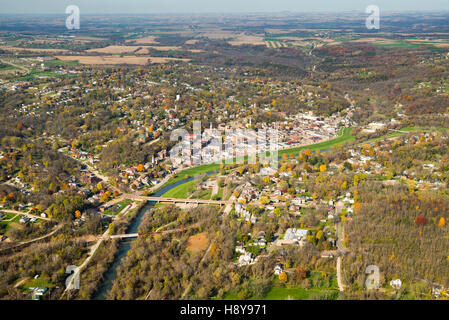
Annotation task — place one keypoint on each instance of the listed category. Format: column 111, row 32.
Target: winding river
column 125, row 245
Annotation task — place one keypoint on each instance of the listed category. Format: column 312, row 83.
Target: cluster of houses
column 25, row 220
column 137, row 180
column 245, row 257
column 307, row 128
column 293, row 236
column 245, row 214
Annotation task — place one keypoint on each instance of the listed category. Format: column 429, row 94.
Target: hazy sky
column 225, row 6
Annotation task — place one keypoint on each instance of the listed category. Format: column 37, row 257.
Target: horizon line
column 234, row 12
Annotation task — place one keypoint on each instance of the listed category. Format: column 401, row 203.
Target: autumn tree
column 283, row 277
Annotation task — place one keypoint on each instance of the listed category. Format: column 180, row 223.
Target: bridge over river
column 175, row 200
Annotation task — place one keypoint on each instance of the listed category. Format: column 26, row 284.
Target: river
column 125, row 245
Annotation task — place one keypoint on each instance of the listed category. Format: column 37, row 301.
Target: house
column 246, row 259
column 267, row 171
column 396, row 284
column 261, row 242
column 277, row 269
column 437, row 290
column 240, row 249
column 24, row 220
column 295, row 234
column 38, row 292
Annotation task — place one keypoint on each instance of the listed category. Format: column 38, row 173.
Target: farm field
column 113, row 60
column 114, row 49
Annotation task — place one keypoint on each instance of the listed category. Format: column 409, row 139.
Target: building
column 246, row 259
column 278, row 269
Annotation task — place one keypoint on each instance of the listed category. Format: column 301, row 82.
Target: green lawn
column 191, row 172
column 219, row 194
column 8, row 215
column 397, row 44
column 122, row 205
column 57, row 62
column 205, row 194
column 290, row 293
column 297, row 293
column 42, row 281
column 180, row 191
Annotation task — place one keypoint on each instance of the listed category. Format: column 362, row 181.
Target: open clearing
column 198, row 242
column 244, row 39
column 115, row 49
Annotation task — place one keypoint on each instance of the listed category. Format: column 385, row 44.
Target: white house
column 396, row 284
column 278, row 269
column 246, row 259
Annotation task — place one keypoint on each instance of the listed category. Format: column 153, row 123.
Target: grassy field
column 180, row 191
column 36, row 73
column 280, row 291
column 290, row 293
column 57, row 62
column 42, row 281
column 122, row 205
column 191, row 172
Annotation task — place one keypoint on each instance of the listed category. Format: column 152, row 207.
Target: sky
column 215, row 6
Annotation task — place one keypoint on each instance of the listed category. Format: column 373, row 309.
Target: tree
column 277, row 211
column 264, row 200
column 300, row 273
column 323, row 168
column 442, row 222
column 140, row 168
column 420, row 221
column 105, row 196
column 283, row 277
column 77, row 214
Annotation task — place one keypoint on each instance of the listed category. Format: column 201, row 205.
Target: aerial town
column 136, row 156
